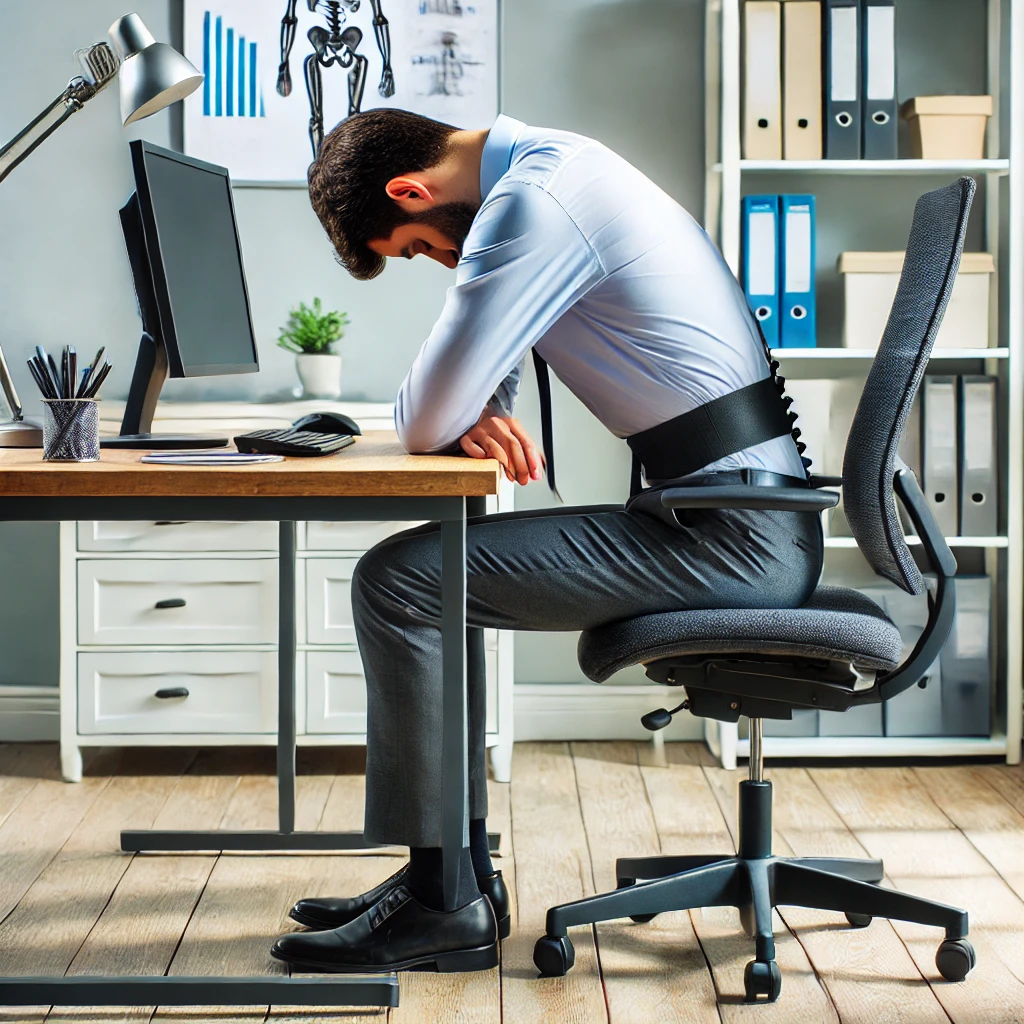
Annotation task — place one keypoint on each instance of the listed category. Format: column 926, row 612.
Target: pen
column 97, row 381
column 72, row 371
column 90, row 370
column 43, row 382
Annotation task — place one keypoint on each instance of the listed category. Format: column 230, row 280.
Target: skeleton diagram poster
column 274, row 66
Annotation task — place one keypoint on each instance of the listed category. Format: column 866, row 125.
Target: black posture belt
column 695, row 439
column 721, row 427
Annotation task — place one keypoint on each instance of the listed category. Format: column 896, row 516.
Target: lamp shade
column 153, row 75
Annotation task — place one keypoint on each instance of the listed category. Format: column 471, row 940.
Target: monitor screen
column 196, row 262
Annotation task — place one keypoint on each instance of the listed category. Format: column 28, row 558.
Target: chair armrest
column 816, row 480
column 769, row 499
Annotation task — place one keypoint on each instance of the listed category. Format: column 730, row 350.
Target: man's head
column 391, row 183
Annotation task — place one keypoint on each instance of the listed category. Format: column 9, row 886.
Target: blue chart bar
column 252, row 80
column 231, row 73
column 241, row 76
column 206, row 64
column 218, row 100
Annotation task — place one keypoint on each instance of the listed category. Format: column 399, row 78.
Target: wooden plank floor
column 71, row 903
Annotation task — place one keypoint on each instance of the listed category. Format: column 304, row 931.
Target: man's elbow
column 420, row 436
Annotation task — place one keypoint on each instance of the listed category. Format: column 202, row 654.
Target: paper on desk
column 203, row 458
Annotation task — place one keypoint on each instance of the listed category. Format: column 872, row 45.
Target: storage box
column 869, row 286
column 947, row 127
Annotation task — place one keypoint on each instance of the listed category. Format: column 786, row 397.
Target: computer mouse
column 328, row 423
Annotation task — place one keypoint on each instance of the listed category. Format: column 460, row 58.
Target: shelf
column 877, row 746
column 873, row 167
column 953, row 542
column 868, row 354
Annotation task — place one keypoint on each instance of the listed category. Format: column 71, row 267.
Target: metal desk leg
column 455, row 746
column 286, row 654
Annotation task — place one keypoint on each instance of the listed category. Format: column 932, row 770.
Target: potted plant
column 311, row 334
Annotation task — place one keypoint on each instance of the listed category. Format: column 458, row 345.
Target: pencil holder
column 71, row 430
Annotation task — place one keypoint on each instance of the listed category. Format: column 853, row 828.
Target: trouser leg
column 574, row 569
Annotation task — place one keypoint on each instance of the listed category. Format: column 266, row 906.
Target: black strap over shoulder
column 721, row 427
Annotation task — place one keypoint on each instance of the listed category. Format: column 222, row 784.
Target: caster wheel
column 955, row 959
column 625, row 883
column 762, row 978
column 859, row 920
column 553, row 956
column 748, row 922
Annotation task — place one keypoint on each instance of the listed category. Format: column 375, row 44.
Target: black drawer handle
column 171, row 691
column 171, row 602
column 170, row 522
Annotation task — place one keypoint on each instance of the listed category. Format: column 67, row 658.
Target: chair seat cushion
column 836, row 623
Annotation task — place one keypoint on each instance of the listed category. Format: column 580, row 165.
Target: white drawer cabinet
column 329, row 600
column 350, row 536
column 153, row 602
column 215, row 634
column 181, row 692
column 176, row 536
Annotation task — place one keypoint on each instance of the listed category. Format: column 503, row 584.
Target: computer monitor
column 182, row 241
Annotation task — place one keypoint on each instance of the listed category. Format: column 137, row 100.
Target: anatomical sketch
column 334, row 45
column 449, row 66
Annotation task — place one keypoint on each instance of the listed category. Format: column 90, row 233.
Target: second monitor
column 186, row 260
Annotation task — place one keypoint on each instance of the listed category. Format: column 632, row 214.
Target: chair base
column 755, row 882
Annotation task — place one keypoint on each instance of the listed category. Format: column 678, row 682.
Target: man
column 558, row 245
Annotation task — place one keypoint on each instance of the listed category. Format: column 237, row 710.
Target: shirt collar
column 497, row 155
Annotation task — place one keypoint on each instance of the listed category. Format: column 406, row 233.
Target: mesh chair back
column 929, row 270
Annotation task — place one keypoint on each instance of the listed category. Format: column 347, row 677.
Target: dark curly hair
column 347, row 179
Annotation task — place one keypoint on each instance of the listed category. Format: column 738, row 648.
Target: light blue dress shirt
column 625, row 296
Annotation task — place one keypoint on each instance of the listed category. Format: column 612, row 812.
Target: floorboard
column 71, row 901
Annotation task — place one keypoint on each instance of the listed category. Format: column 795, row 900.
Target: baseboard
column 29, row 714
column 576, row 711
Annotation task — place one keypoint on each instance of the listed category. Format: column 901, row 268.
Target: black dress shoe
column 398, row 933
column 333, row 912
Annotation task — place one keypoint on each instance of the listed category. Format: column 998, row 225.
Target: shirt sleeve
column 525, row 264
column 503, row 401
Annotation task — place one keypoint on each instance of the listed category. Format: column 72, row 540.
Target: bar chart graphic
column 231, row 83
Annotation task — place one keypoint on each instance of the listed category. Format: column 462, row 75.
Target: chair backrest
column 929, row 270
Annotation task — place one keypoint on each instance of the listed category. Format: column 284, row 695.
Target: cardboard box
column 869, row 286
column 947, row 127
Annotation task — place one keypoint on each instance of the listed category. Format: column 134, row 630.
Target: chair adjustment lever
column 658, row 719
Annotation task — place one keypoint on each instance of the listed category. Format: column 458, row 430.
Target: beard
column 453, row 220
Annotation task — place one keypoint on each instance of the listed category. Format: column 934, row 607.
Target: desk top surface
column 376, row 465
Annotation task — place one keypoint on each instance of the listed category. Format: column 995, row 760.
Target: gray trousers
column 565, row 569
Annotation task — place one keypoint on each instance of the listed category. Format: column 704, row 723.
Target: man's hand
column 503, row 438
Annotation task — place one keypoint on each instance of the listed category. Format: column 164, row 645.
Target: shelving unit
column 999, row 203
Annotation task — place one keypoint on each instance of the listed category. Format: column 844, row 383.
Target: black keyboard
column 290, row 441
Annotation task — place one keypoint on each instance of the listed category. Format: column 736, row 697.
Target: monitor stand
column 151, row 368
column 148, row 379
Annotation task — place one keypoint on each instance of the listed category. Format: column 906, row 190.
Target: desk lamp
column 153, row 76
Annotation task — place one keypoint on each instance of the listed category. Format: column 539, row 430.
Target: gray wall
column 629, row 72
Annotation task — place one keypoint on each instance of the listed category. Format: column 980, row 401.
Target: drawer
column 176, row 536
column 336, row 693
column 228, row 692
column 329, row 600
column 350, row 536
column 223, row 601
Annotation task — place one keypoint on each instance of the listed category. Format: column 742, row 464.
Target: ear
column 409, row 192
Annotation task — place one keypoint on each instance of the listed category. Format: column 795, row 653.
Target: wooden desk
column 373, row 479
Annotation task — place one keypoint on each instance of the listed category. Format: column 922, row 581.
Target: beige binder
column 801, row 80
column 762, row 80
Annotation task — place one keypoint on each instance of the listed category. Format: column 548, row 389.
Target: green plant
column 311, row 331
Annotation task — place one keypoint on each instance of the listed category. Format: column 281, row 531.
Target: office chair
column 837, row 652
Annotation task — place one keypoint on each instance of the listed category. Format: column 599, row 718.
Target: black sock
column 478, row 848
column 425, row 879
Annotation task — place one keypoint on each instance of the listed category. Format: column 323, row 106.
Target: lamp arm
column 71, row 99
column 99, row 65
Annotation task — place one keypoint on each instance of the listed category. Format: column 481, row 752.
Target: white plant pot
column 320, row 375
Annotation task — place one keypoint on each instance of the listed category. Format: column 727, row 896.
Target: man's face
column 439, row 233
